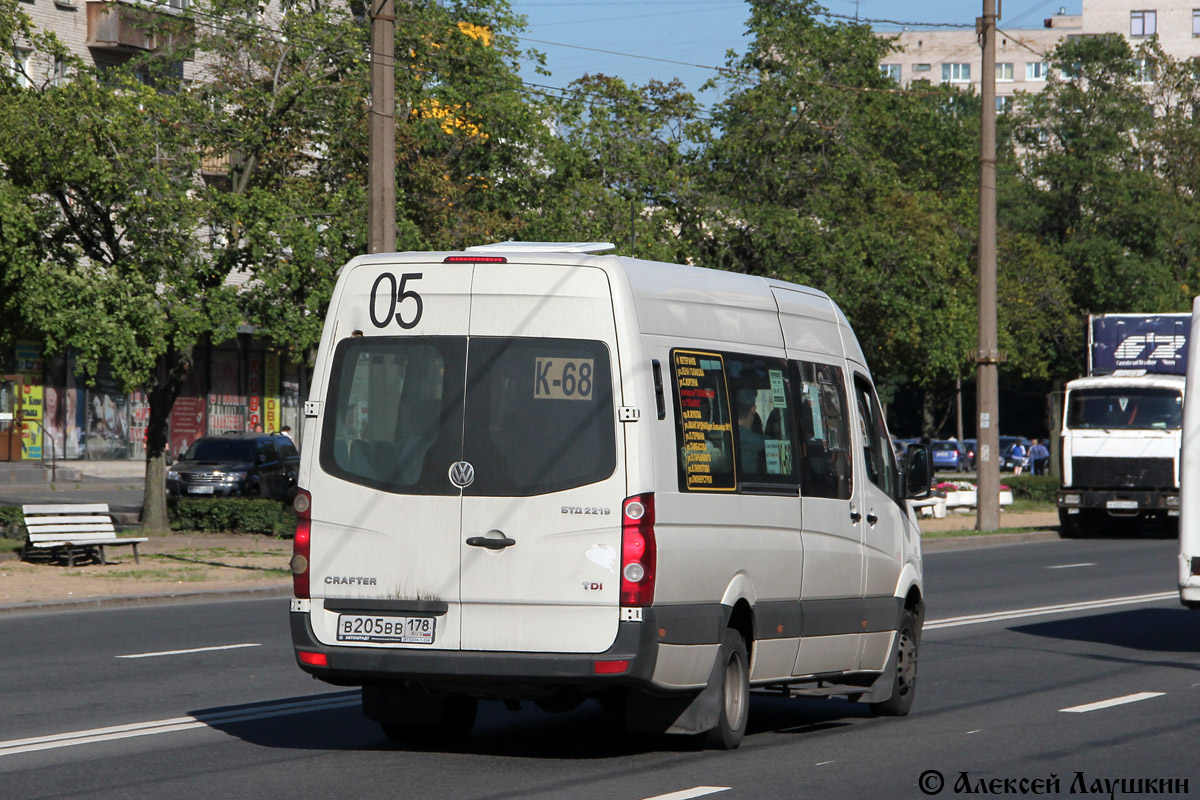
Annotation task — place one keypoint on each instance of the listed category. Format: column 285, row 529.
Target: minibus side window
column 705, row 422
column 877, row 450
column 826, row 462
column 764, row 435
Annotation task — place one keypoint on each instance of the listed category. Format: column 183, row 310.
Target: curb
column 126, row 601
column 987, row 540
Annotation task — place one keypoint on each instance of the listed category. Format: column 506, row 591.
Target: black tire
column 1068, row 524
column 735, row 694
column 904, row 673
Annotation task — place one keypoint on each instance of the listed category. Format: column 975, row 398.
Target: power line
column 626, row 55
column 896, row 22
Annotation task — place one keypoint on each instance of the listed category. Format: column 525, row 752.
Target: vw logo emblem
column 462, row 474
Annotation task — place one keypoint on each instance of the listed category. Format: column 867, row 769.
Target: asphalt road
column 1026, row 695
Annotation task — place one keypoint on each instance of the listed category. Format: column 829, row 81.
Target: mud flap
column 685, row 713
column 884, row 685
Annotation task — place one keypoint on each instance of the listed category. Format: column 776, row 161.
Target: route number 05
column 395, row 295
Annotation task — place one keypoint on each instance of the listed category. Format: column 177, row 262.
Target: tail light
column 639, row 553
column 300, row 543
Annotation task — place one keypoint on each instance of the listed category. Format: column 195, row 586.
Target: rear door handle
column 855, row 517
column 872, row 519
column 490, row 543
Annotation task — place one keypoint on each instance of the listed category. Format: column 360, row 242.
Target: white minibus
column 534, row 472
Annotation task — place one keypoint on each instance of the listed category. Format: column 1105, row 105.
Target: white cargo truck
column 1122, row 424
column 1189, row 512
column 535, row 473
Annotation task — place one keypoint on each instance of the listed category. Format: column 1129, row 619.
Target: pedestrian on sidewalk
column 1018, row 457
column 1039, row 458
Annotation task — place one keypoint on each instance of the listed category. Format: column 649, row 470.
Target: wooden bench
column 72, row 529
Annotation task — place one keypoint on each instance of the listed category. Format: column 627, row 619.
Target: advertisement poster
column 256, row 399
column 29, row 358
column 271, row 405
column 32, row 414
column 29, row 364
column 139, row 421
column 187, row 424
column 226, row 406
column 59, row 423
column 106, row 418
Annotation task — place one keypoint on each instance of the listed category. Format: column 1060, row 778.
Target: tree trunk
column 927, row 423
column 173, row 369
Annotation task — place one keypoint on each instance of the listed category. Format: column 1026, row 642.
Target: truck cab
column 1120, row 450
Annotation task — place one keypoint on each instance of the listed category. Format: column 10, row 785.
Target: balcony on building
column 129, row 26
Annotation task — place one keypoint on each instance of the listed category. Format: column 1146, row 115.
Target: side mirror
column 918, row 472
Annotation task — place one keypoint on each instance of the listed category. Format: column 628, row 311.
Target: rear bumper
column 636, row 642
column 1113, row 500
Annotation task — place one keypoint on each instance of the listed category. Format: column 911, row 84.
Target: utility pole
column 987, row 383
column 381, row 169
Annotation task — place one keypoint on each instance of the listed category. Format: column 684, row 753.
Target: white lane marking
column 1116, row 701
column 193, row 650
column 687, row 794
column 997, row 616
column 1073, row 566
column 242, row 714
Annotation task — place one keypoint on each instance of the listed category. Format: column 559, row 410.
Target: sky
column 640, row 40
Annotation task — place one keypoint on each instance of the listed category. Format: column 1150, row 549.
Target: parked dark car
column 949, row 454
column 1007, row 462
column 236, row 464
column 972, row 448
column 290, row 456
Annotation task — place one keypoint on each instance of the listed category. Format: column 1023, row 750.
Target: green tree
column 618, row 169
column 105, row 169
column 293, row 97
column 1089, row 187
column 827, row 173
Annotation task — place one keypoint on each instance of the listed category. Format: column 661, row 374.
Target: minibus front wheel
column 902, row 669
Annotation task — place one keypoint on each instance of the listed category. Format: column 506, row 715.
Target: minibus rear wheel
column 734, row 676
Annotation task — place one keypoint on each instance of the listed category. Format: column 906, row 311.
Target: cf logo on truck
column 1166, row 348
column 462, row 474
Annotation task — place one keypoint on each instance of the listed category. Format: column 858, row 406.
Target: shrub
column 10, row 522
column 232, row 515
column 1039, row 488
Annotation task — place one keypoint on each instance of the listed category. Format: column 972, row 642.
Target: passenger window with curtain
column 825, row 460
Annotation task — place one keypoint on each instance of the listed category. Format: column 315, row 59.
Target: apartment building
column 101, row 34
column 953, row 56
